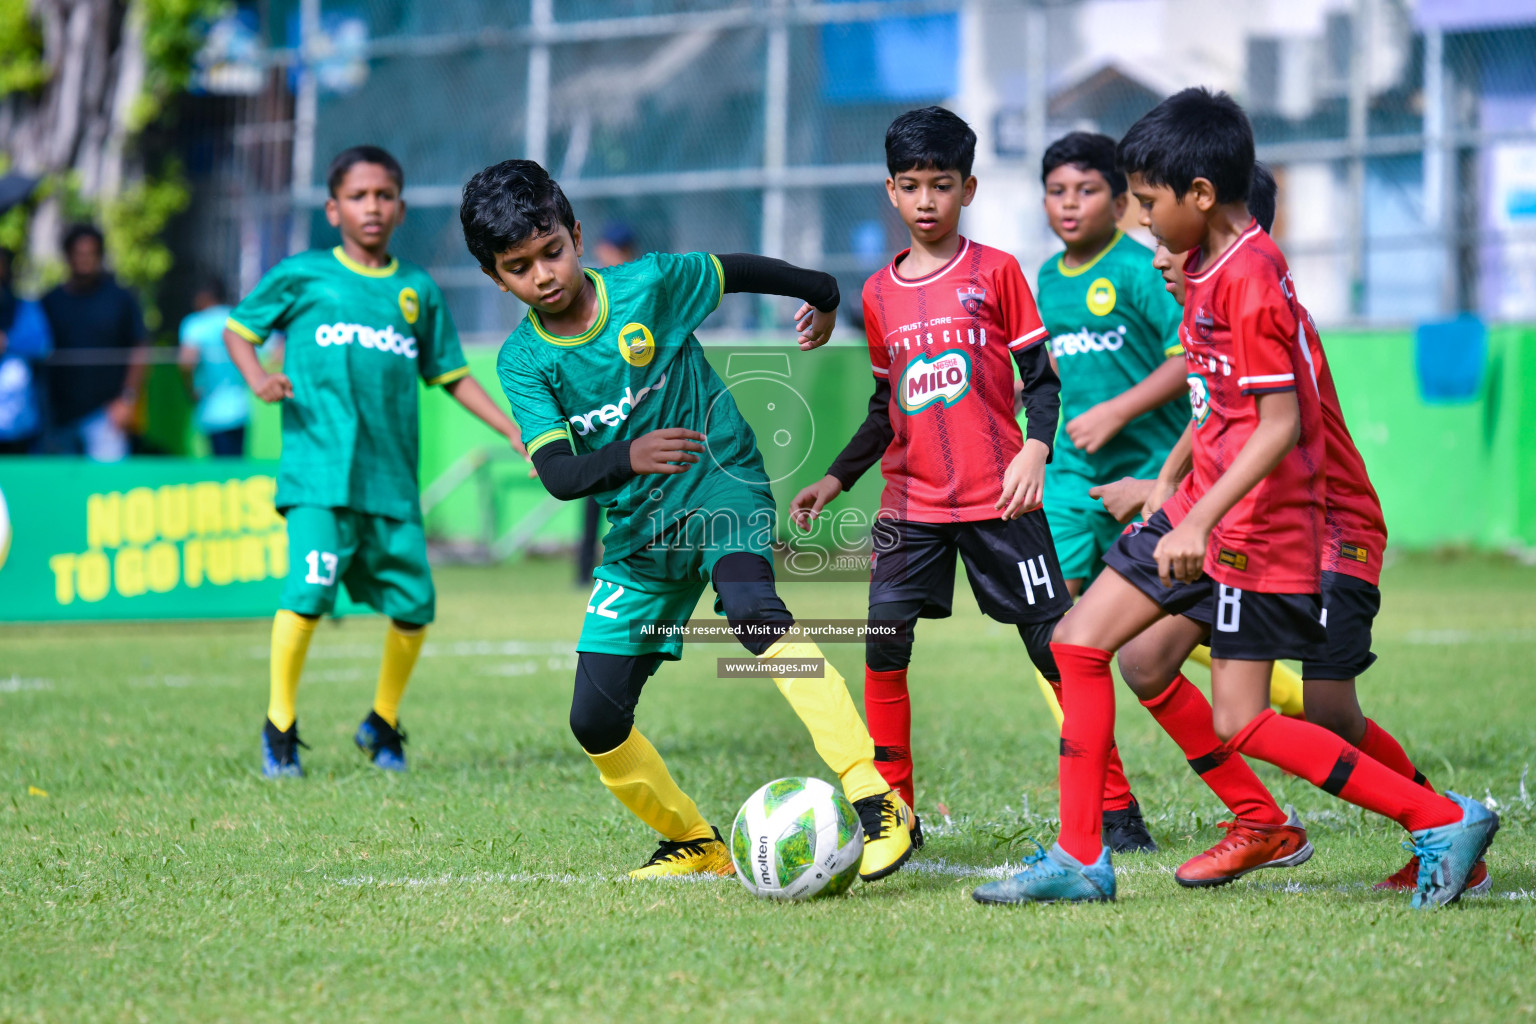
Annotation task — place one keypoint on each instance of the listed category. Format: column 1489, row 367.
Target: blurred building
column 1403, row 132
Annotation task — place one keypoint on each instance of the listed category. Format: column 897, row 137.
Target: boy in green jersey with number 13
column 362, row 328
column 617, row 401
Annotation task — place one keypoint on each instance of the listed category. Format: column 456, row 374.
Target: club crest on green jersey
column 410, row 305
column 1101, row 297
column 636, row 344
column 944, row 378
column 1199, row 399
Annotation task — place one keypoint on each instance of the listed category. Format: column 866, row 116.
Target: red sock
column 1323, row 759
column 1117, row 788
column 1087, row 737
column 889, row 712
column 1185, row 715
column 1379, row 743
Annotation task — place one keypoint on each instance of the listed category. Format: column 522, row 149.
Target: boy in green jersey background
column 616, row 400
column 1114, row 340
column 362, row 329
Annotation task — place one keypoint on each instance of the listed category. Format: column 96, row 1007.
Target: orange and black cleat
column 1248, row 846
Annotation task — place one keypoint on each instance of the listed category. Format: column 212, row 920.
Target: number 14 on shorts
column 1033, row 572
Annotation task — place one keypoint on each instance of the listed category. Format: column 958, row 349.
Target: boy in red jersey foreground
column 1261, row 836
column 947, row 321
column 1243, row 530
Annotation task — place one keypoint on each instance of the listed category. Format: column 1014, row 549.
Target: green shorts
column 1082, row 536
column 383, row 563
column 663, row 581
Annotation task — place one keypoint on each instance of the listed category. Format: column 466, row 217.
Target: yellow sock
column 1049, row 694
column 401, row 648
column 635, row 773
column 833, row 722
column 290, row 643
column 1284, row 683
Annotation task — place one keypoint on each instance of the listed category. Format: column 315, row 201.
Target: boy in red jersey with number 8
column 1244, row 527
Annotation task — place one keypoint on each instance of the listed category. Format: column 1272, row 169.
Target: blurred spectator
column 617, row 245
column 97, row 367
column 24, row 341
column 223, row 400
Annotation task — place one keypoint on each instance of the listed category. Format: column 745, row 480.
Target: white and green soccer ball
column 795, row 839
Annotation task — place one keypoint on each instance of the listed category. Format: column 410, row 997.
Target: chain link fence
column 1403, row 133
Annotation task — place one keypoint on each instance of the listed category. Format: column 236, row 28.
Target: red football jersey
column 946, row 343
column 1355, row 530
column 1243, row 337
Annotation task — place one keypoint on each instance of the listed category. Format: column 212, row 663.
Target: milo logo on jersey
column 1084, row 341
column 1199, row 399
column 385, row 339
column 944, row 378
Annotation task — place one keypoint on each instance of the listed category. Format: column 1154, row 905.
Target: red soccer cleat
column 1406, row 879
column 1248, row 846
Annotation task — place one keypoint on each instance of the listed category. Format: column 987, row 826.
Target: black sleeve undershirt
column 762, row 275
column 567, row 475
column 1042, row 394
column 870, row 441
column 1042, row 404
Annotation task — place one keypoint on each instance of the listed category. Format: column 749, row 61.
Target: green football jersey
column 358, row 339
column 638, row 368
column 1112, row 323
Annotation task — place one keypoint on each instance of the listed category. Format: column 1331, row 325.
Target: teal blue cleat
column 1448, row 854
column 1054, row 876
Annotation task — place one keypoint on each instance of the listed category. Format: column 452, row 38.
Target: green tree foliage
column 21, row 50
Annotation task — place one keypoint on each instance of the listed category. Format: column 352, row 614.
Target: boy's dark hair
column 213, row 286
column 929, row 139
column 1087, row 151
column 78, row 231
column 350, row 158
column 508, row 203
column 1192, row 134
column 1263, row 194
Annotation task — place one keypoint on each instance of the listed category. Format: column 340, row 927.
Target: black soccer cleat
column 1126, row 831
column 917, row 832
column 280, row 751
column 382, row 742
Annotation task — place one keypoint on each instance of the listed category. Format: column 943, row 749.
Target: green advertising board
column 146, row 538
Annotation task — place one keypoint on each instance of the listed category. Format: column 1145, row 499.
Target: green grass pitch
column 162, row 879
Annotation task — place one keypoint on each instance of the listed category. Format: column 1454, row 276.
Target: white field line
column 1457, row 637
column 939, row 867
column 16, row 684
column 432, row 649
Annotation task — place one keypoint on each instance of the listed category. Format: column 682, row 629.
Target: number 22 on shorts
column 601, row 608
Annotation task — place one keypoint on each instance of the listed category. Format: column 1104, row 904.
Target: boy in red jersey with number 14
column 947, row 322
column 1244, row 528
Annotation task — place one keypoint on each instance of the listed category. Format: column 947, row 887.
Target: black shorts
column 1245, row 625
column 1011, row 565
column 1350, row 605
